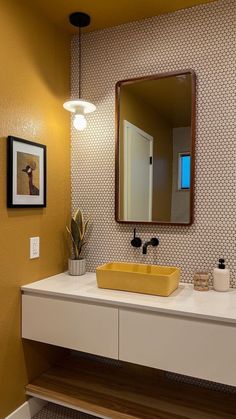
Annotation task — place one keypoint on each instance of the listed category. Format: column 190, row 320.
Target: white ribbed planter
column 77, row 267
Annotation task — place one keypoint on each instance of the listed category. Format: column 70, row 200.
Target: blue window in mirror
column 184, row 171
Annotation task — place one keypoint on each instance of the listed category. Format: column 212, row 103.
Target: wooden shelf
column 126, row 391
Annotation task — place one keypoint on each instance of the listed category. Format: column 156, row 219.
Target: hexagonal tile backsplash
column 201, row 38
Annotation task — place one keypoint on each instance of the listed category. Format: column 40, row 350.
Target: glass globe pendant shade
column 79, row 122
column 79, row 108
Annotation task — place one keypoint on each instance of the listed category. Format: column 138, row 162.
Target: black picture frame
column 35, row 196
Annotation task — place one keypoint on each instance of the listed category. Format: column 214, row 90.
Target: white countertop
column 185, row 301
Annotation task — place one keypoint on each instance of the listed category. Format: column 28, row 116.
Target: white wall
column 180, row 203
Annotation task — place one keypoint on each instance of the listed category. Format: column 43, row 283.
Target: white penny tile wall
column 201, row 38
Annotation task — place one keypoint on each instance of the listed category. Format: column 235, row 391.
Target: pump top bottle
column 221, row 277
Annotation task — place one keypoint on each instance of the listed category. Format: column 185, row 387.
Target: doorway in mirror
column 137, row 176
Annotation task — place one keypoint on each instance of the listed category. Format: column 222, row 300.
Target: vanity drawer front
column 71, row 324
column 193, row 347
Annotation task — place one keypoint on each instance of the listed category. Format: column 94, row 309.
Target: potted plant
column 77, row 231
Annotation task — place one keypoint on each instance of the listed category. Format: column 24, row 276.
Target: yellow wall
column 34, row 82
column 146, row 118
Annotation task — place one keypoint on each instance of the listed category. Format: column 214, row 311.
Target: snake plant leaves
column 75, row 231
column 86, row 226
column 79, row 219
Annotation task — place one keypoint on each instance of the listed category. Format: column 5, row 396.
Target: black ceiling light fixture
column 78, row 106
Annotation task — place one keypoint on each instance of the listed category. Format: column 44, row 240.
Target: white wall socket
column 34, row 247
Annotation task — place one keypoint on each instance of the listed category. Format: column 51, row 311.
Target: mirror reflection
column 155, row 148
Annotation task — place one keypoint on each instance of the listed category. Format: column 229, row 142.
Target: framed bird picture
column 26, row 173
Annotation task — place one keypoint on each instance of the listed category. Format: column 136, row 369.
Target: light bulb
column 79, row 122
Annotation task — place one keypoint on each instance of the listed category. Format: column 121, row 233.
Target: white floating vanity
column 191, row 333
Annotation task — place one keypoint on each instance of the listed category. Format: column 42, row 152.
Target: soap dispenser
column 221, row 277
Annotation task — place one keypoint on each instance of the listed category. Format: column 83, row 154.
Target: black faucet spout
column 145, row 246
column 153, row 242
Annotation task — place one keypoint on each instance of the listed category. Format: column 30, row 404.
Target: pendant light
column 78, row 106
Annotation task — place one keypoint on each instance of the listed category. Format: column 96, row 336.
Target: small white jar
column 221, row 277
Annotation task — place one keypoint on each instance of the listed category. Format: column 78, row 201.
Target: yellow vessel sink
column 136, row 277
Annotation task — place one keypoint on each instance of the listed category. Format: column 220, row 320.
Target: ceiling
column 106, row 14
column 169, row 96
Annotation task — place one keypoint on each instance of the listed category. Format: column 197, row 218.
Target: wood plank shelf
column 127, row 391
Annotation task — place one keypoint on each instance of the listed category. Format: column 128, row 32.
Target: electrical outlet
column 34, row 247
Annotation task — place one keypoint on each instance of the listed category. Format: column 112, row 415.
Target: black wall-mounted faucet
column 153, row 242
column 136, row 241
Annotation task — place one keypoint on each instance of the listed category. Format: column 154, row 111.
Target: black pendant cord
column 79, row 20
column 80, row 65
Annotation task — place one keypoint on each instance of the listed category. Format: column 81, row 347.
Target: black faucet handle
column 154, row 241
column 136, row 241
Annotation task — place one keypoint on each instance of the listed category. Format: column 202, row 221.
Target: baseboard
column 28, row 409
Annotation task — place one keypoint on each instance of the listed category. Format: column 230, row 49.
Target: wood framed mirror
column 155, row 149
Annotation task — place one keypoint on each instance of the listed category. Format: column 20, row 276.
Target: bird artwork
column 29, row 169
